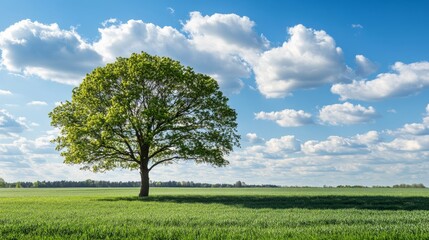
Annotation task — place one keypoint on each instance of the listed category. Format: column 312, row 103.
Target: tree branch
column 169, row 159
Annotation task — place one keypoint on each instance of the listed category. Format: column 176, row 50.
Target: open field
column 188, row 213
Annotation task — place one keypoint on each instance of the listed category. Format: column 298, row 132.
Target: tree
column 143, row 111
column 2, row 183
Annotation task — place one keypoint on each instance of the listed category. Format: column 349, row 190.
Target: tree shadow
column 288, row 202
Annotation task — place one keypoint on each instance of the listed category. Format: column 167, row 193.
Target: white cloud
column 406, row 79
column 46, row 51
column 367, row 138
column 276, row 147
column 416, row 143
column 346, row 114
column 287, row 117
column 253, row 138
column 332, row 146
column 357, row 25
column 414, row 129
column 364, row 66
column 5, row 92
column 335, row 145
column 37, row 103
column 224, row 33
column 10, row 125
column 285, row 144
column 308, row 59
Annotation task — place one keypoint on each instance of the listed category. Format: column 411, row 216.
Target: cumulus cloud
column 405, row 80
column 412, row 144
column 5, row 92
column 346, row 114
column 309, row 58
column 364, row 66
column 253, row 138
column 357, row 25
column 46, row 51
column 10, row 125
column 415, row 129
column 287, row 117
column 222, row 33
column 277, row 147
column 37, row 103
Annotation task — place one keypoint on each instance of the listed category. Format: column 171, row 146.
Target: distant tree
column 238, row 184
column 2, row 183
column 143, row 111
column 18, row 185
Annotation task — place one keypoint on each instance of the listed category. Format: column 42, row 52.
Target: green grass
column 187, row 213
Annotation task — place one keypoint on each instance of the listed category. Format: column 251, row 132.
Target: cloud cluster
column 5, row 92
column 224, row 46
column 405, row 80
column 369, row 158
column 287, row 117
column 412, row 137
column 346, row 114
column 336, row 114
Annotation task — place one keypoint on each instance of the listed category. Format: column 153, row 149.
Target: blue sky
column 326, row 92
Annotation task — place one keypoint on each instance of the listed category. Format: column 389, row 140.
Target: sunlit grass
column 179, row 213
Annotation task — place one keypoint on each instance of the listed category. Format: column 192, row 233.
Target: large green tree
column 143, row 111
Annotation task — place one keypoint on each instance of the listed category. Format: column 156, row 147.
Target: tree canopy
column 142, row 111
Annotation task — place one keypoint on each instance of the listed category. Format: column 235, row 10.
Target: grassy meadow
column 215, row 213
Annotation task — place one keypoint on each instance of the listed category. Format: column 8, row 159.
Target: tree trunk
column 144, row 188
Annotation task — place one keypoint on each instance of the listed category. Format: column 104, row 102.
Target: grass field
column 187, row 213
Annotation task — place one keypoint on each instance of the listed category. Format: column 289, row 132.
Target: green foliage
column 245, row 213
column 2, row 183
column 142, row 111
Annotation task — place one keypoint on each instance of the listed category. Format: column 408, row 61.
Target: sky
column 327, row 92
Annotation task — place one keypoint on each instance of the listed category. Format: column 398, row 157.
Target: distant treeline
column 415, row 185
column 105, row 184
